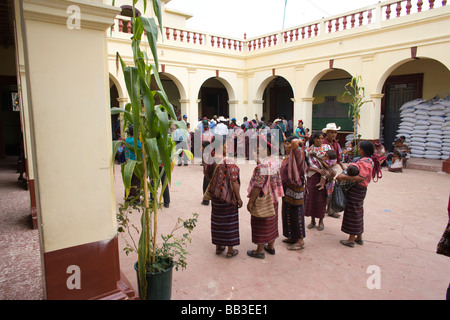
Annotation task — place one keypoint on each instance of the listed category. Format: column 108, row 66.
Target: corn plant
column 356, row 94
column 151, row 115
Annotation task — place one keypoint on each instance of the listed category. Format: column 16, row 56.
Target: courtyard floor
column 405, row 216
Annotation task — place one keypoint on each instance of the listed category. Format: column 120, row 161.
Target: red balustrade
column 262, row 42
column 389, row 10
column 306, row 31
column 408, row 6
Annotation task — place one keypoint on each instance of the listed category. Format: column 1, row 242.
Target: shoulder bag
column 263, row 207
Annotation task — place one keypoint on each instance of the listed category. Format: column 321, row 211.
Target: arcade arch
column 407, row 80
column 173, row 88
column 115, row 93
column 215, row 95
column 277, row 95
column 329, row 105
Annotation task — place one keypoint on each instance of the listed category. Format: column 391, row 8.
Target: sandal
column 347, row 243
column 219, row 250
column 289, row 241
column 254, row 254
column 311, row 225
column 321, row 227
column 232, row 253
column 270, row 251
column 360, row 242
column 296, row 247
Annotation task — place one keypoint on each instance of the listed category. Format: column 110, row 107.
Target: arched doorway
column 278, row 100
column 329, row 104
column 171, row 89
column 114, row 103
column 214, row 99
column 413, row 79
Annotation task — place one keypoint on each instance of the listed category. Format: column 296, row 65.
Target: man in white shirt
column 221, row 129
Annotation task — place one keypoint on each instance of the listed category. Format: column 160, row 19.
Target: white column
column 306, row 110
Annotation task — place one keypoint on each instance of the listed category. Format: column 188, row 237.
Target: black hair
column 130, row 130
column 315, row 135
column 352, row 171
column 331, row 154
column 367, row 148
column 290, row 138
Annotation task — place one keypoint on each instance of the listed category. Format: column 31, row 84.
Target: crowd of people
column 395, row 159
column 295, row 169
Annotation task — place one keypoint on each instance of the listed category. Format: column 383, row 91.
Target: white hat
column 331, row 126
column 221, row 118
column 277, row 120
column 238, row 123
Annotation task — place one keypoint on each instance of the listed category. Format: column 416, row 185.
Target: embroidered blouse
column 365, row 166
column 260, row 178
column 222, row 178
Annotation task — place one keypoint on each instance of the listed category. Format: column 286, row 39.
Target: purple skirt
column 224, row 224
column 265, row 230
column 315, row 199
column 353, row 219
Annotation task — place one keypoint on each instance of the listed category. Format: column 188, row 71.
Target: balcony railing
column 383, row 11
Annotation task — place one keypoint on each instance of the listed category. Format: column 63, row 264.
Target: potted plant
column 151, row 115
column 356, row 93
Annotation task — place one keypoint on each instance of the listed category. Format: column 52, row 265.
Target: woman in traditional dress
column 265, row 180
column 239, row 139
column 353, row 220
column 292, row 172
column 207, row 139
column 225, row 202
column 316, row 198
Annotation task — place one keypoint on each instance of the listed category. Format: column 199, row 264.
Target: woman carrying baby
column 353, row 220
column 316, row 195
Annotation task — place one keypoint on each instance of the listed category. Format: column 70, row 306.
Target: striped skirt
column 265, row 230
column 224, row 224
column 315, row 199
column 293, row 221
column 353, row 219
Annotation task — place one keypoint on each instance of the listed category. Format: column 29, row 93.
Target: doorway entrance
column 397, row 91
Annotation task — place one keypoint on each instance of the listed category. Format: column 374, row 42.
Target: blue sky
column 257, row 17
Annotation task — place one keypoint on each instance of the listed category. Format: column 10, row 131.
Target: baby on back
column 351, row 171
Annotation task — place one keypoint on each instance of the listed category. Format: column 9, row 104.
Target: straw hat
column 331, row 126
column 277, row 120
column 222, row 119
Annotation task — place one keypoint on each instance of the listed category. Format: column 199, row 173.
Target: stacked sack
column 446, row 129
column 407, row 125
column 349, row 138
column 424, row 126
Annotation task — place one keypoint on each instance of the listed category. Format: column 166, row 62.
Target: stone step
column 425, row 164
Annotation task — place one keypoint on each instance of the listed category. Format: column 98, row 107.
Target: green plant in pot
column 151, row 115
column 356, row 94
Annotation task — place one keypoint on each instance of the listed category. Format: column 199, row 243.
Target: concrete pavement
column 405, row 215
